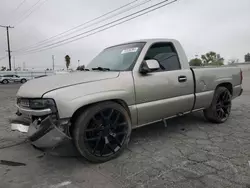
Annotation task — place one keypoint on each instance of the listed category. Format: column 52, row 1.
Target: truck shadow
column 150, row 133
column 175, row 125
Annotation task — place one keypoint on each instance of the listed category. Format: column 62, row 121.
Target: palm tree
column 67, row 60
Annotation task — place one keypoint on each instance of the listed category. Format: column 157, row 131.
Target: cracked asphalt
column 189, row 152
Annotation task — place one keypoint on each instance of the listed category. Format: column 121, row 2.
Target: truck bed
column 208, row 78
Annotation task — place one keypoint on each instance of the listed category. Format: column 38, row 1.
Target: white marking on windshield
column 129, row 50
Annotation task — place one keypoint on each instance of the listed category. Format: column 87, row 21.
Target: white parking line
column 19, row 127
column 61, row 184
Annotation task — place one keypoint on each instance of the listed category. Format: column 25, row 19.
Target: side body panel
column 207, row 79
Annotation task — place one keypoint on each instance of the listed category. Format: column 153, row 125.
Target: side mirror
column 149, row 66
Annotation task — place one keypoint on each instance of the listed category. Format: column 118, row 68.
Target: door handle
column 182, row 78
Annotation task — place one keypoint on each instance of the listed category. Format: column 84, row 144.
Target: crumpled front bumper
column 44, row 133
column 48, row 134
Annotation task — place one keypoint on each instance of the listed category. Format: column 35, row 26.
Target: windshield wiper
column 101, row 69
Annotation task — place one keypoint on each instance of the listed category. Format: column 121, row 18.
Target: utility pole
column 23, row 66
column 53, row 62
column 8, row 43
column 14, row 62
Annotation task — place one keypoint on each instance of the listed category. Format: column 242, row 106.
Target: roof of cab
column 153, row 40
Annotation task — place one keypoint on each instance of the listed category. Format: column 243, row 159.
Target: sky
column 222, row 26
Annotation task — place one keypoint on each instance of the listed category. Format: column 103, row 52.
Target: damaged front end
column 46, row 130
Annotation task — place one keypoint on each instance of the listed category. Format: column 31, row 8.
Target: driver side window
column 165, row 54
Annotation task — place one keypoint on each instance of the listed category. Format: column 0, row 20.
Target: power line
column 63, row 34
column 34, row 7
column 19, row 5
column 28, row 11
column 65, row 41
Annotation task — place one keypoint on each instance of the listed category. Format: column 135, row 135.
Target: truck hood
column 37, row 87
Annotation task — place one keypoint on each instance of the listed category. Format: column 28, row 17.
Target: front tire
column 220, row 108
column 5, row 81
column 102, row 131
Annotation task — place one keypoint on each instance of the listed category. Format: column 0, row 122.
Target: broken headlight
column 37, row 104
column 42, row 104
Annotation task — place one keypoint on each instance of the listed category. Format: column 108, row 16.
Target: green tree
column 195, row 62
column 208, row 58
column 247, row 57
column 67, row 60
column 212, row 58
column 217, row 63
column 80, row 68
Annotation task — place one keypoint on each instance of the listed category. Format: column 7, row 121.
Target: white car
column 5, row 79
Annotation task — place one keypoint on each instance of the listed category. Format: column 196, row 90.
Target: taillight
column 241, row 76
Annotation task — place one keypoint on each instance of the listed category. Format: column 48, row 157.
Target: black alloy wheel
column 223, row 105
column 102, row 132
column 220, row 109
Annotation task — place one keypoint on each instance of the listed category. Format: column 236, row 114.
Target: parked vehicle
column 5, row 79
column 128, row 86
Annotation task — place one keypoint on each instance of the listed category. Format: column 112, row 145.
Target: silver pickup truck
column 126, row 86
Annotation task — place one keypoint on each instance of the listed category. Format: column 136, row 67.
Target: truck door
column 165, row 92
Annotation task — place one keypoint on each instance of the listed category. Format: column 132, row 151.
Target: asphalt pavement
column 190, row 152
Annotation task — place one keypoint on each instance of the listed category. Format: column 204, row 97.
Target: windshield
column 117, row 58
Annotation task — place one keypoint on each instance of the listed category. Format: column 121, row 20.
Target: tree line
column 210, row 58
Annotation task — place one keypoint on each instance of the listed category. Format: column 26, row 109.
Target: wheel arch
column 84, row 107
column 227, row 85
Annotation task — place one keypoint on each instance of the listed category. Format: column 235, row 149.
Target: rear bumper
column 237, row 91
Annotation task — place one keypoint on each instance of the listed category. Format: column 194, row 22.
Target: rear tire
column 5, row 81
column 23, row 80
column 220, row 108
column 102, row 131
